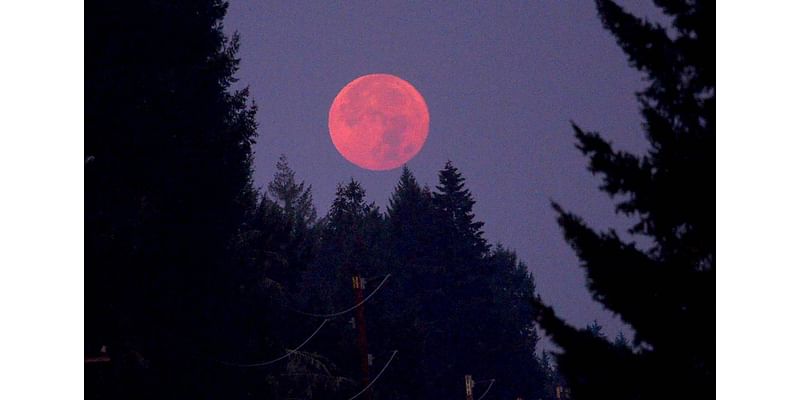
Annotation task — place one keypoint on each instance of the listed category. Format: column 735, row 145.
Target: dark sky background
column 502, row 81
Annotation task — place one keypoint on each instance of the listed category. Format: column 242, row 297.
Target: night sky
column 502, row 81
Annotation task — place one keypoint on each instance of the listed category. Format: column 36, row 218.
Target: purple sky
column 502, row 80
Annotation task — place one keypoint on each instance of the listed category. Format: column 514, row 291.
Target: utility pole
column 470, row 384
column 361, row 321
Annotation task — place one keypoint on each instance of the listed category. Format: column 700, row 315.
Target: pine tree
column 665, row 293
column 468, row 308
column 621, row 341
column 410, row 214
column 596, row 330
column 290, row 205
column 294, row 198
column 428, row 311
column 348, row 231
column 552, row 379
column 407, row 195
column 462, row 235
column 352, row 242
column 349, row 209
column 506, row 333
column 167, row 193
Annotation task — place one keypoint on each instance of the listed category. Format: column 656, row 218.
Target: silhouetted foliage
column 621, row 341
column 448, row 309
column 665, row 293
column 463, row 307
column 461, row 235
column 294, row 198
column 410, row 214
column 596, row 330
column 169, row 203
column 290, row 203
column 195, row 279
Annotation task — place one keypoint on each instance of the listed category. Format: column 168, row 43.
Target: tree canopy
column 664, row 292
column 202, row 284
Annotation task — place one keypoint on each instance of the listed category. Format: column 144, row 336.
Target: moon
column 378, row 122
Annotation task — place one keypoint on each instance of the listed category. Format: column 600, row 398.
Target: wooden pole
column 361, row 321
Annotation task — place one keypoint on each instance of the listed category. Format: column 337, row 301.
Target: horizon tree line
column 192, row 274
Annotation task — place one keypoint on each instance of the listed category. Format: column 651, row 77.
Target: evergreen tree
column 292, row 204
column 407, row 205
column 471, row 310
column 454, row 282
column 665, row 293
column 410, row 215
column 621, row 341
column 461, row 234
column 596, row 330
column 354, row 235
column 167, row 195
column 352, row 241
column 349, row 210
column 405, row 316
column 507, row 338
column 432, row 308
column 294, row 198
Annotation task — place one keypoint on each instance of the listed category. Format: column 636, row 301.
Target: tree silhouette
column 666, row 292
column 294, row 198
column 409, row 215
column 290, row 204
column 472, row 314
column 192, row 274
column 462, row 235
column 167, row 194
column 448, row 314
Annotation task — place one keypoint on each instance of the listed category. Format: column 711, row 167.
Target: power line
column 288, row 353
column 336, row 314
column 394, row 353
column 327, row 318
column 491, row 382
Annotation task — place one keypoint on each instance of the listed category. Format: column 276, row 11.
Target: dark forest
column 203, row 284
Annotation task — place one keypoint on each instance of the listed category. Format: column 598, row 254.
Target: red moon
column 378, row 122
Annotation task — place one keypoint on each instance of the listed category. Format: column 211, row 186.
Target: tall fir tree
column 352, row 241
column 507, row 337
column 461, row 233
column 428, row 311
column 168, row 190
column 354, row 234
column 294, row 198
column 409, row 218
column 409, row 214
column 596, row 330
column 292, row 204
column 621, row 341
column 665, row 293
column 472, row 315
